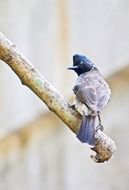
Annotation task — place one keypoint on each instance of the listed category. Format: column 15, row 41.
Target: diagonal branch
column 30, row 76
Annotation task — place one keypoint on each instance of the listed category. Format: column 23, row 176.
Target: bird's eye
column 81, row 63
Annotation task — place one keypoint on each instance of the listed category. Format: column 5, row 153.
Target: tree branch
column 30, row 76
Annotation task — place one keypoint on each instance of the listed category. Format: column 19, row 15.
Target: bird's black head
column 81, row 64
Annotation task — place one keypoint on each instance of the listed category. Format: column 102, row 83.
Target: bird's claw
column 72, row 106
column 99, row 127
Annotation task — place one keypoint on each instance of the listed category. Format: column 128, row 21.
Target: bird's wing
column 88, row 96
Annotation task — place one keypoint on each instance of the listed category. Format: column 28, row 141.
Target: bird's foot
column 72, row 106
column 100, row 127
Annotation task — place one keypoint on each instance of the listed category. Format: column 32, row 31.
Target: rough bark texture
column 30, row 76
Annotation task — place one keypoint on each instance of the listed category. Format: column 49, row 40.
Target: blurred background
column 37, row 151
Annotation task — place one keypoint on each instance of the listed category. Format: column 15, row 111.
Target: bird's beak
column 73, row 67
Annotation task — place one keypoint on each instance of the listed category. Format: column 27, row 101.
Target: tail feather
column 86, row 133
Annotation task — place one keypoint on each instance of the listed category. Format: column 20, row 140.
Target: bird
column 92, row 91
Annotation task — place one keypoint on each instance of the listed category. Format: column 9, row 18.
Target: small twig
column 31, row 77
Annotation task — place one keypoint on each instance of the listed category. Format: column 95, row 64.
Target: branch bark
column 30, row 76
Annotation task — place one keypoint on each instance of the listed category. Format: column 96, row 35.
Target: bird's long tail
column 86, row 133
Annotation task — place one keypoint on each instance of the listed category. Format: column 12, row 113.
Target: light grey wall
column 48, row 156
column 48, row 33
